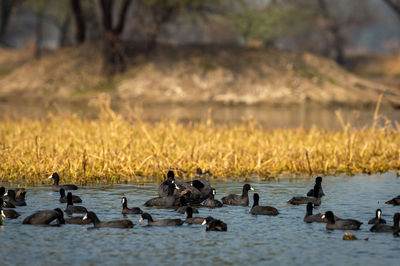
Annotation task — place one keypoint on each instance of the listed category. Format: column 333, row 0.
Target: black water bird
column 56, row 187
column 63, row 198
column 5, row 204
column 342, row 224
column 113, row 224
column 11, row 198
column 192, row 220
column 377, row 218
column 167, row 201
column 382, row 228
column 78, row 220
column 262, row 210
column 45, row 217
column 164, row 186
column 10, row 214
column 210, row 202
column 395, row 201
column 126, row 210
column 71, row 208
column 164, row 222
column 214, row 224
column 238, row 200
column 318, row 182
column 316, row 200
column 184, row 204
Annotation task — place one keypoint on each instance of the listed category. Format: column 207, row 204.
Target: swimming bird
column 210, row 202
column 164, row 222
column 262, row 210
column 56, row 187
column 126, row 210
column 71, row 208
column 163, row 188
column 204, row 190
column 304, row 200
column 238, row 200
column 190, row 219
column 5, row 204
column 63, row 198
column 113, row 224
column 310, row 217
column 78, row 220
column 214, row 224
column 377, row 218
column 184, row 205
column 342, row 224
column 11, row 198
column 394, row 201
column 167, row 201
column 381, row 228
column 318, row 182
column 10, row 214
column 45, row 217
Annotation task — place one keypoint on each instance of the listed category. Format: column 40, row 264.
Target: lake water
column 284, row 239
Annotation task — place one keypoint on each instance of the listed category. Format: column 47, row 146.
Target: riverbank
column 113, row 149
column 188, row 75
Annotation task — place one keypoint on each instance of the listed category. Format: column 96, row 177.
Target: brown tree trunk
column 39, row 35
column 80, row 25
column 113, row 52
column 6, row 8
column 64, row 28
column 334, row 29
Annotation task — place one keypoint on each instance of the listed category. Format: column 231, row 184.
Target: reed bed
column 114, row 149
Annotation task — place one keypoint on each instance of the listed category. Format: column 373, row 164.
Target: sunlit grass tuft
column 115, row 149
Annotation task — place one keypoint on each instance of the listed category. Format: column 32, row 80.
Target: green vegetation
column 115, row 149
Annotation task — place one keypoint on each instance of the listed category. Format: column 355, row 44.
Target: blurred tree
column 114, row 58
column 80, row 24
column 266, row 23
column 394, row 5
column 7, row 7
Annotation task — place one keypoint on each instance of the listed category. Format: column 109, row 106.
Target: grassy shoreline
column 113, row 149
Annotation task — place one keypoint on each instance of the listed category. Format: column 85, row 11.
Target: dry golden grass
column 115, row 149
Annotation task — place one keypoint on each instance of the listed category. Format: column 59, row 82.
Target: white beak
column 251, row 188
column 50, row 176
column 140, row 220
column 204, row 222
column 379, row 215
column 173, row 181
column 6, row 194
column 2, row 214
column 323, row 216
column 84, row 217
column 176, row 187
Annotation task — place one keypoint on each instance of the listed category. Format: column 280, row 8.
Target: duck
column 63, row 198
column 6, row 204
column 210, row 202
column 310, row 217
column 342, row 224
column 164, row 222
column 318, row 182
column 382, row 228
column 304, row 200
column 71, row 208
column 190, row 219
column 45, row 217
column 395, row 201
column 11, row 198
column 214, row 224
column 377, row 218
column 78, row 220
column 10, row 214
column 238, row 200
column 56, row 187
column 163, row 188
column 262, row 210
column 184, row 205
column 126, row 210
column 168, row 201
column 204, row 189
column 113, row 224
